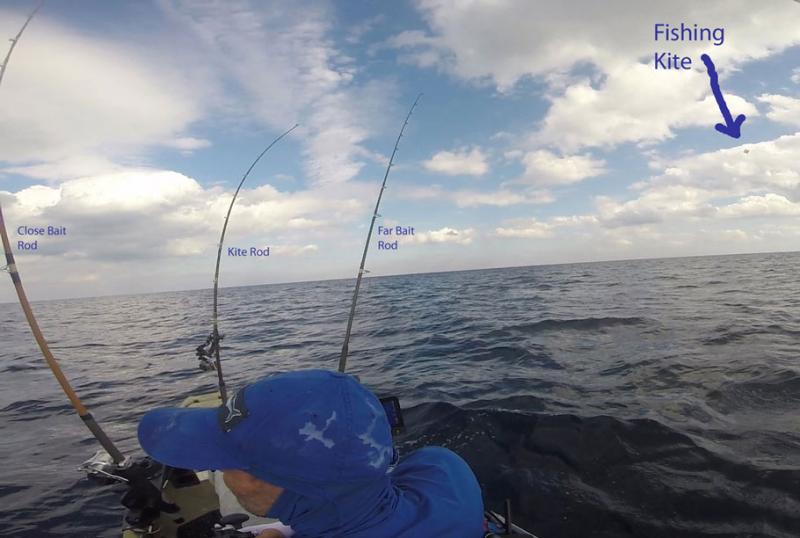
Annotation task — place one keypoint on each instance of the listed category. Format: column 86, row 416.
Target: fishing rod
column 213, row 341
column 14, row 40
column 375, row 215
column 11, row 267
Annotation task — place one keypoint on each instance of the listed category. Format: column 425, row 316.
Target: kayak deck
column 192, row 491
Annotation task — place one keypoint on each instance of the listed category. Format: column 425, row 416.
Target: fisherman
column 314, row 450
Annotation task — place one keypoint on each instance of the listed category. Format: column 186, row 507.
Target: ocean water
column 653, row 398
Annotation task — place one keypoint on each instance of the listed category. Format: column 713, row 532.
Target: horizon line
column 78, row 297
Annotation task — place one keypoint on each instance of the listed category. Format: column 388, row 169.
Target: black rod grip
column 101, row 436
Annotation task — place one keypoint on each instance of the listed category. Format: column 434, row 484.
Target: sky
column 545, row 134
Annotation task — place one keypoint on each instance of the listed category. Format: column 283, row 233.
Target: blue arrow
column 732, row 128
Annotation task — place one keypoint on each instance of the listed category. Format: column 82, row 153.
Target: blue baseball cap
column 298, row 430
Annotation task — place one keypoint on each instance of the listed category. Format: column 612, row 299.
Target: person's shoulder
column 434, row 454
column 441, row 484
column 435, row 461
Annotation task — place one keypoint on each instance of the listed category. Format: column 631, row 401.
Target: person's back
column 439, row 495
column 323, row 442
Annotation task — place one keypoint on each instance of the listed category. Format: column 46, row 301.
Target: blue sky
column 544, row 136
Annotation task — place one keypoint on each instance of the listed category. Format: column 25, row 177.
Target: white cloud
column 444, row 235
column 294, row 250
column 427, row 51
column 536, row 229
column 654, row 206
column 499, row 198
column 796, row 75
column 597, row 58
column 507, row 41
column 356, row 33
column 130, row 191
column 543, row 167
column 782, row 108
column 471, row 198
column 140, row 230
column 67, row 96
column 302, row 223
column 76, row 96
column 581, row 238
column 573, row 220
column 768, row 205
column 738, row 171
column 531, row 228
column 762, row 178
column 283, row 67
column 188, row 143
column 636, row 104
column 687, row 209
column 37, row 198
column 422, row 192
column 66, row 168
column 136, row 214
column 120, row 217
column 465, row 162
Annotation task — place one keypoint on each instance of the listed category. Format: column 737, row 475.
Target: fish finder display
column 395, row 415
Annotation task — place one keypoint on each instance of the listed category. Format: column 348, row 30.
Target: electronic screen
column 391, row 405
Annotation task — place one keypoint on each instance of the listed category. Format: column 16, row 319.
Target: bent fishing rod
column 213, row 341
column 11, row 267
column 14, row 40
column 375, row 215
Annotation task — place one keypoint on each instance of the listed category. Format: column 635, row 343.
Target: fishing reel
column 206, row 351
column 143, row 497
column 102, row 468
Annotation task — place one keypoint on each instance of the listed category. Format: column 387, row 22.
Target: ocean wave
column 577, row 324
column 776, row 391
column 729, row 334
column 633, row 477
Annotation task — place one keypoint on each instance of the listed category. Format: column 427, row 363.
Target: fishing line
column 11, row 267
column 214, row 339
column 375, row 215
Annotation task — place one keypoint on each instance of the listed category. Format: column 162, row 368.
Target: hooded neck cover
column 337, row 511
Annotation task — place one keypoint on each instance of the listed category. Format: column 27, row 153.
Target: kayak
column 496, row 525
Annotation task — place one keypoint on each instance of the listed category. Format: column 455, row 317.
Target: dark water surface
column 656, row 398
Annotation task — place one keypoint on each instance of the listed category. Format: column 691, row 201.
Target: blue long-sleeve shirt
column 431, row 493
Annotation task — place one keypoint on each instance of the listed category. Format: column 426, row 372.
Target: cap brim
column 188, row 439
